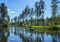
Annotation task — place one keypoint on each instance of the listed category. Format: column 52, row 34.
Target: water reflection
column 3, row 35
column 20, row 34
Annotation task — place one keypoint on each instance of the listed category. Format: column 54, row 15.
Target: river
column 21, row 34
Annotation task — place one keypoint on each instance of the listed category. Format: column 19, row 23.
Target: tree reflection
column 31, row 36
column 15, row 31
column 3, row 36
column 54, row 37
column 58, row 37
column 38, row 38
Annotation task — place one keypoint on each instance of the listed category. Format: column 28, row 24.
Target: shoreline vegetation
column 54, row 28
column 32, row 16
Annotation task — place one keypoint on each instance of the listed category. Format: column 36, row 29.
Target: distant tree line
column 35, row 16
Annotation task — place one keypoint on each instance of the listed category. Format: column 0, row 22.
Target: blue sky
column 15, row 7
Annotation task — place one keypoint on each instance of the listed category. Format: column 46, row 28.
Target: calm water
column 19, row 34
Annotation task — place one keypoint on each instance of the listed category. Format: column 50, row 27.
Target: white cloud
column 10, row 12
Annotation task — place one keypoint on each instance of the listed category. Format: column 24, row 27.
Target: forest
column 32, row 16
column 30, row 25
column 35, row 16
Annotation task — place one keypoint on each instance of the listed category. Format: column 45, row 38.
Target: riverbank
column 47, row 28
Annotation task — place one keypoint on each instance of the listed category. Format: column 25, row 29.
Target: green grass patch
column 46, row 28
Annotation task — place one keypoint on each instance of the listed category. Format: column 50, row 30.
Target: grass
column 46, row 28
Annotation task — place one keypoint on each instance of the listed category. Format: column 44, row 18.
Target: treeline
column 35, row 16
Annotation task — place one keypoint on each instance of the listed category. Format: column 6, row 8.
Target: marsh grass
column 46, row 28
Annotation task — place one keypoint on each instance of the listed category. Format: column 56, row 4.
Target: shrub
column 54, row 28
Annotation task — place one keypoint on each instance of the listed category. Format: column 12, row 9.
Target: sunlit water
column 20, row 34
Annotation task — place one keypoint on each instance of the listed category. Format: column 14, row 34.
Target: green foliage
column 35, row 16
column 4, row 14
column 3, row 10
column 54, row 28
column 46, row 28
